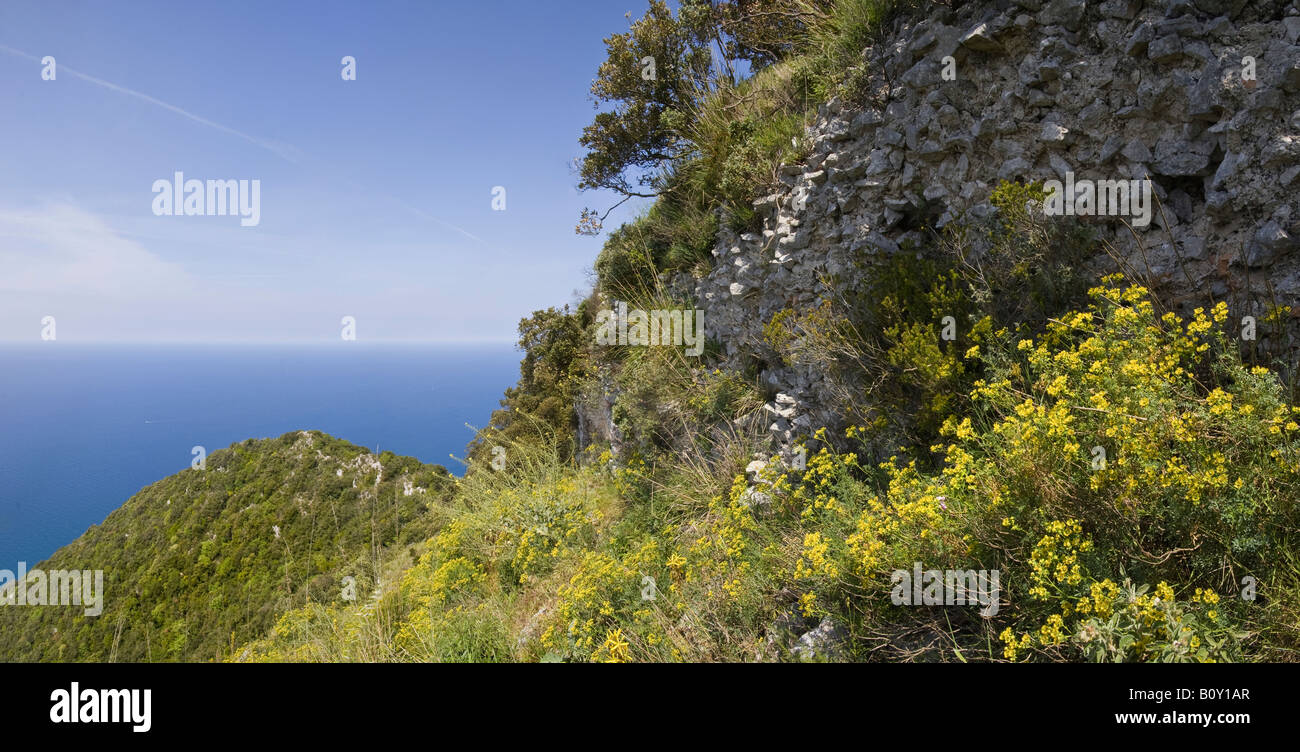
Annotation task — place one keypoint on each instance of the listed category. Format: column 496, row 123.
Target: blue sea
column 83, row 427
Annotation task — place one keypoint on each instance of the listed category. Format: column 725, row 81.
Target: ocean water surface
column 83, row 427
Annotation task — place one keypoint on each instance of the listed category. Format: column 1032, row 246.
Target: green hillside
column 209, row 558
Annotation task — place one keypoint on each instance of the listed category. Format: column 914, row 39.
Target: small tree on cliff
column 657, row 75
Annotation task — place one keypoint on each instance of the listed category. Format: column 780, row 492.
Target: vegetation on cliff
column 1130, row 473
column 1123, row 470
column 1127, row 473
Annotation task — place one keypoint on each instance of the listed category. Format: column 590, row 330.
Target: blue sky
column 376, row 194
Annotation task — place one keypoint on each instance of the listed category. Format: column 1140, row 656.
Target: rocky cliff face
column 1202, row 97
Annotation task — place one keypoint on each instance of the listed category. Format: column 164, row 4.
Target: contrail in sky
column 281, row 150
column 284, row 151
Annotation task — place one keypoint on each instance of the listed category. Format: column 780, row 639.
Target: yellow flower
column 616, row 647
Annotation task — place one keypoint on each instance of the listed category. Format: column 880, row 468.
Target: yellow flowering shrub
column 611, row 610
column 1122, row 441
column 538, row 523
column 435, row 589
column 1123, row 446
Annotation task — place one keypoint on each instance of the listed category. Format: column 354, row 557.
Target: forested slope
column 210, row 557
